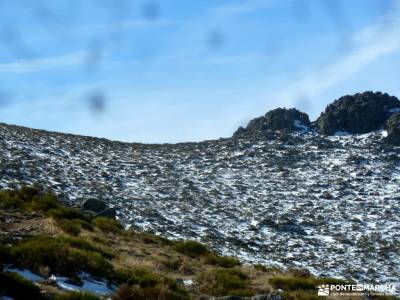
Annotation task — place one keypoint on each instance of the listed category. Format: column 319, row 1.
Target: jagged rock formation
column 288, row 120
column 393, row 129
column 359, row 113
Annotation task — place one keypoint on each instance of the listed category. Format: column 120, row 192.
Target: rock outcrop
column 359, row 113
column 94, row 205
column 283, row 119
column 98, row 208
column 393, row 129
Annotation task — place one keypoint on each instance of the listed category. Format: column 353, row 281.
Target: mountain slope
column 328, row 203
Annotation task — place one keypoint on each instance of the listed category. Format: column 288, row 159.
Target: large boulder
column 94, row 205
column 278, row 119
column 393, row 129
column 359, row 113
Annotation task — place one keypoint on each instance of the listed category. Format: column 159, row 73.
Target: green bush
column 292, row 283
column 223, row 282
column 76, row 296
column 16, row 287
column 149, row 238
column 5, row 254
column 70, row 220
column 44, row 202
column 107, row 224
column 190, row 248
column 28, row 198
column 221, row 261
column 65, row 256
column 11, row 199
column 127, row 292
column 68, row 214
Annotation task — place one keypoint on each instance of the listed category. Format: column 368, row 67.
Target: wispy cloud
column 369, row 44
column 40, row 64
column 235, row 9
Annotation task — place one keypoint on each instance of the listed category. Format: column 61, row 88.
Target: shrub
column 107, row 224
column 16, row 287
column 62, row 255
column 221, row 261
column 45, row 202
column 76, row 296
column 292, row 283
column 269, row 269
column 222, row 282
column 190, row 248
column 28, row 198
column 70, row 220
column 5, row 254
column 69, row 226
column 68, row 213
column 149, row 238
column 162, row 290
column 11, row 199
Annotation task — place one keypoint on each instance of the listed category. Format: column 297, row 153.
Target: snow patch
column 28, row 275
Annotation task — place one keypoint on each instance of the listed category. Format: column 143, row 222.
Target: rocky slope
column 290, row 197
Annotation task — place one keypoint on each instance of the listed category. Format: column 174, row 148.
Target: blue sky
column 177, row 70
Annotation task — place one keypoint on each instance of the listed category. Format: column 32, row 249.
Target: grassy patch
column 143, row 284
column 107, row 224
column 221, row 261
column 18, row 288
column 76, row 296
column 225, row 282
column 28, row 198
column 65, row 256
column 70, row 220
column 190, row 248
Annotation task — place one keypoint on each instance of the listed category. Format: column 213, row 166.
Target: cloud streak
column 41, row 64
column 369, row 45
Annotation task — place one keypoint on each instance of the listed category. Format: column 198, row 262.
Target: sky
column 166, row 71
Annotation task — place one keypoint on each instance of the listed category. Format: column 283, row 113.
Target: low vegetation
column 13, row 285
column 222, row 282
column 141, row 265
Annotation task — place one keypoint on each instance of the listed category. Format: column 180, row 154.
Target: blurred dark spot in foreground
column 13, row 41
column 151, row 10
column 97, row 103
column 215, row 40
column 94, row 55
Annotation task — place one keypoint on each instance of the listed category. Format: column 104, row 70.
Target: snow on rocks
column 326, row 203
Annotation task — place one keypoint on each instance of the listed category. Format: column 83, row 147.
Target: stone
column 289, row 120
column 94, row 205
column 392, row 127
column 359, row 113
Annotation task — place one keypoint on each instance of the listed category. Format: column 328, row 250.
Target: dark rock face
column 393, row 129
column 94, row 205
column 359, row 113
column 109, row 213
column 278, row 119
